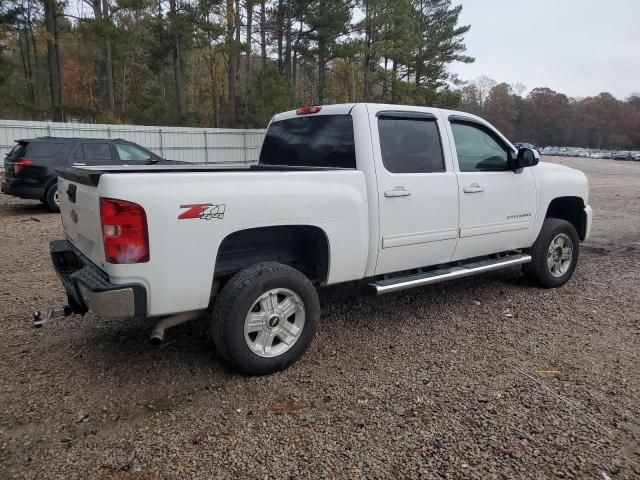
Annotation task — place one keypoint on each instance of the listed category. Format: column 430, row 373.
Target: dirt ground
column 479, row 378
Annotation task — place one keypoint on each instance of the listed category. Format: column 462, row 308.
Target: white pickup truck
column 400, row 196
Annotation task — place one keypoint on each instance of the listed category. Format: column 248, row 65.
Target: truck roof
column 345, row 109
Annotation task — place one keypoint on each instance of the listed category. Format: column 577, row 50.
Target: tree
column 53, row 58
column 499, row 109
column 328, row 20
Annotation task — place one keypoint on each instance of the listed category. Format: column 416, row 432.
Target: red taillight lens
column 124, row 230
column 21, row 164
column 308, row 110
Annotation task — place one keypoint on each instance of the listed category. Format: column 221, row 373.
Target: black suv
column 30, row 167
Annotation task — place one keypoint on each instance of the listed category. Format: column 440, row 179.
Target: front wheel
column 554, row 254
column 265, row 318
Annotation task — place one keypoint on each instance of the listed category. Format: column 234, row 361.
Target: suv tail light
column 21, row 164
column 308, row 110
column 124, row 231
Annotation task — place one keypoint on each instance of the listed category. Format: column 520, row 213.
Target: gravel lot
column 439, row 382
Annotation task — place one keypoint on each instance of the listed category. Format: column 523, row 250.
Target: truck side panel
column 189, row 215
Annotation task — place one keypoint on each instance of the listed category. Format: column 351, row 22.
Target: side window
column 477, row 150
column 410, row 145
column 95, row 151
column 129, row 153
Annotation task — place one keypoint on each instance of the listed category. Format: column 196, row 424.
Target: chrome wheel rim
column 274, row 322
column 56, row 198
column 559, row 255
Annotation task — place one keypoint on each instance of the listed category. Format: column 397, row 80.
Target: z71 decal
column 203, row 211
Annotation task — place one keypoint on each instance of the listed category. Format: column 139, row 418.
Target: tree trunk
column 108, row 75
column 181, row 101
column 394, row 81
column 247, row 60
column 231, row 48
column 263, row 32
column 279, row 34
column 50, row 10
column 321, row 70
column 287, row 48
column 108, row 59
column 367, row 53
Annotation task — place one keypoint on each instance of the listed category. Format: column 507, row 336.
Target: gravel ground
column 439, row 382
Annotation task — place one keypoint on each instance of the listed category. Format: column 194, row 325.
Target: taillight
column 308, row 110
column 124, row 231
column 21, row 164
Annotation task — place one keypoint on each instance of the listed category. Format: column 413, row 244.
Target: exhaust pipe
column 157, row 334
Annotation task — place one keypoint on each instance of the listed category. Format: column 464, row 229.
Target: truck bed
column 88, row 175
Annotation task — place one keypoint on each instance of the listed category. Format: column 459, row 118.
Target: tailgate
column 80, row 211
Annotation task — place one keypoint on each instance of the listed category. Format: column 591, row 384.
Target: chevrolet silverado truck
column 397, row 196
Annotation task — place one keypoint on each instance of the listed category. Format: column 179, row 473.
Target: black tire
column 538, row 270
column 50, row 198
column 234, row 302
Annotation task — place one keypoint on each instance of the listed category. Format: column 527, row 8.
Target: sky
column 576, row 47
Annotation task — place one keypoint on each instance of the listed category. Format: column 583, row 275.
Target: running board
column 448, row 273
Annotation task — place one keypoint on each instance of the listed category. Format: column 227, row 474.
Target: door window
column 94, row 151
column 129, row 153
column 477, row 150
column 410, row 145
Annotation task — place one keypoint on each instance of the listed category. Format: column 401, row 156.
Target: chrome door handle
column 397, row 192
column 473, row 188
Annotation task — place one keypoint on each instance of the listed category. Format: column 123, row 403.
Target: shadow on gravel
column 24, row 209
column 122, row 350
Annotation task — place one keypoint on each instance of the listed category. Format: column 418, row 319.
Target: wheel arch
column 303, row 247
column 571, row 209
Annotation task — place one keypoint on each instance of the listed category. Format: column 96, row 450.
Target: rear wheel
column 52, row 198
column 554, row 254
column 265, row 318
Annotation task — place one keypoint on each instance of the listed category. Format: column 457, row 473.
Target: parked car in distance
column 30, row 167
column 395, row 195
column 621, row 155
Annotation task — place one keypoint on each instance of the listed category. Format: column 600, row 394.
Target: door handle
column 473, row 188
column 397, row 192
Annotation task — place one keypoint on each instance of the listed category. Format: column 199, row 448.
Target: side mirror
column 527, row 157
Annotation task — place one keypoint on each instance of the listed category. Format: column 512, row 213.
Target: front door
column 417, row 191
column 497, row 205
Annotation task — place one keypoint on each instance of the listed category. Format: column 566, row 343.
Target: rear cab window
column 310, row 141
column 410, row 142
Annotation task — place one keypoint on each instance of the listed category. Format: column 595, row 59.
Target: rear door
column 417, row 190
column 497, row 205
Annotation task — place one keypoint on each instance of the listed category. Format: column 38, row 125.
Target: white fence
column 196, row 145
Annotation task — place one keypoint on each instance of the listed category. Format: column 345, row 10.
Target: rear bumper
column 17, row 188
column 588, row 214
column 88, row 288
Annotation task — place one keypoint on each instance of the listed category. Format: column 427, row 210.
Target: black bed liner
column 91, row 176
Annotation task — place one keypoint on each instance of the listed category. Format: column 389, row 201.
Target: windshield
column 310, row 141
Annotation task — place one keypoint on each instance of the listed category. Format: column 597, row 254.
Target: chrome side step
column 448, row 273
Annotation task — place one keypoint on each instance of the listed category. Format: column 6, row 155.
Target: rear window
column 42, row 149
column 410, row 145
column 313, row 141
